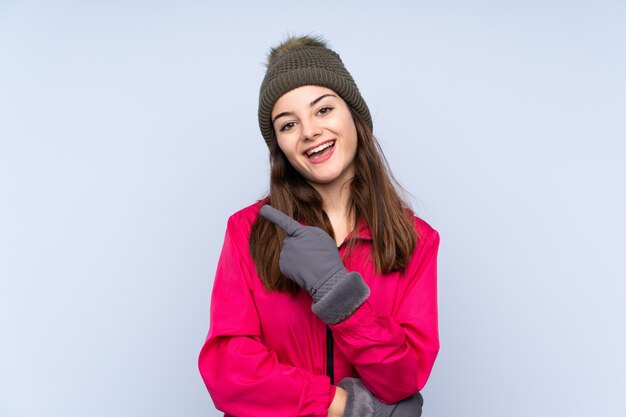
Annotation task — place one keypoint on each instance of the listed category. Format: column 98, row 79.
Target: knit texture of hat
column 303, row 61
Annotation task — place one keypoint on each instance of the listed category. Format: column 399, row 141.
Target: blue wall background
column 128, row 135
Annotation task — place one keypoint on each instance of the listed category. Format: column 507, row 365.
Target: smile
column 320, row 148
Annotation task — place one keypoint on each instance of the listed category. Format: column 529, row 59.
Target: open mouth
column 320, row 150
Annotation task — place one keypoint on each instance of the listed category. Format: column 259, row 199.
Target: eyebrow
column 313, row 103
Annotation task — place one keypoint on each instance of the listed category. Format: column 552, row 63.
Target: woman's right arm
column 243, row 377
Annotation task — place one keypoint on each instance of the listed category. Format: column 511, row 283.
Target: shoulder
column 427, row 236
column 425, row 252
column 239, row 229
column 242, row 220
column 423, row 229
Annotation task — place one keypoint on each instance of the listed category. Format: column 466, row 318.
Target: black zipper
column 330, row 358
column 330, row 361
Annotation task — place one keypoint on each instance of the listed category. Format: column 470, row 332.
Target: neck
column 336, row 200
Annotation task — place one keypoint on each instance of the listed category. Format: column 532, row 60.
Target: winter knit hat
column 305, row 60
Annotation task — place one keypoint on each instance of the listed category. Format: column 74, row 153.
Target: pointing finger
column 289, row 225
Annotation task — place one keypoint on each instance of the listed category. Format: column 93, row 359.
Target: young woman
column 324, row 301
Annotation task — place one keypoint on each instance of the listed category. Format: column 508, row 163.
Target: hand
column 310, row 258
column 309, row 255
column 362, row 403
column 410, row 407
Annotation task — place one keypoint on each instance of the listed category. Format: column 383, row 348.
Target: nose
column 311, row 130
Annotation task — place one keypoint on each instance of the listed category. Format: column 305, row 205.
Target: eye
column 287, row 126
column 324, row 110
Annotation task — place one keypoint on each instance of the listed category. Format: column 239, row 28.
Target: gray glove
column 310, row 258
column 410, row 407
column 361, row 402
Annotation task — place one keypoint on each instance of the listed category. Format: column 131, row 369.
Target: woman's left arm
column 394, row 355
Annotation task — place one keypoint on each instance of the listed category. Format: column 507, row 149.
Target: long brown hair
column 374, row 197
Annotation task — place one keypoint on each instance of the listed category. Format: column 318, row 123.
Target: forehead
column 301, row 96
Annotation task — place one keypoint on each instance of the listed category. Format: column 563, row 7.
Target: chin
column 324, row 178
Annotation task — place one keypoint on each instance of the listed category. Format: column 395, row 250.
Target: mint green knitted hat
column 305, row 60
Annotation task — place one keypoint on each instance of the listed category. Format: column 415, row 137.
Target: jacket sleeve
column 394, row 355
column 242, row 376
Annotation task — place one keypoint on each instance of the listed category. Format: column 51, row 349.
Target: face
column 315, row 131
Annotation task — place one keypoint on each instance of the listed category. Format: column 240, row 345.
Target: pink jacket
column 265, row 354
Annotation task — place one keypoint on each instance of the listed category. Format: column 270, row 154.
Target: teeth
column 320, row 148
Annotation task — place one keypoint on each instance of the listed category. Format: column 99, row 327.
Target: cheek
column 354, row 142
column 290, row 152
column 348, row 128
column 285, row 147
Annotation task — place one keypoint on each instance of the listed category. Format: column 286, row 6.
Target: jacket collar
column 362, row 232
